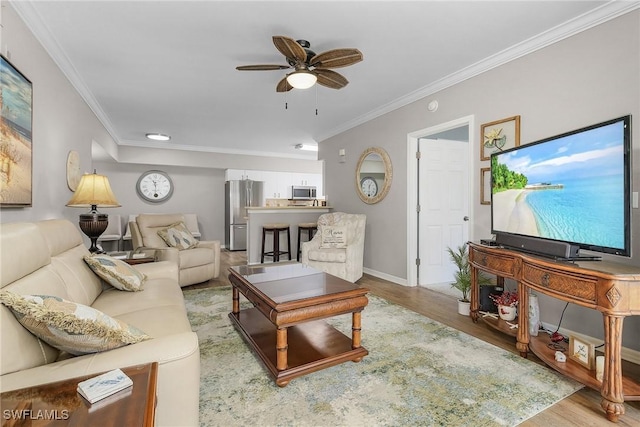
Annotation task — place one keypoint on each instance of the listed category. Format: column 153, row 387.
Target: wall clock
column 154, row 186
column 369, row 186
column 73, row 170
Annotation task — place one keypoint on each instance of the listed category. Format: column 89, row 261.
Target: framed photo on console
column 499, row 136
column 581, row 352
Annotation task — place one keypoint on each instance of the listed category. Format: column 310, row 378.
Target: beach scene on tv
column 569, row 189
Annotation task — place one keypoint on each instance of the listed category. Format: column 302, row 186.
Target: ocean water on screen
column 586, row 210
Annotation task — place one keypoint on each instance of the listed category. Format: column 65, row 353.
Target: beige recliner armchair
column 195, row 265
column 340, row 257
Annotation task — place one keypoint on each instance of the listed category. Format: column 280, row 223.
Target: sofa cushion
column 334, row 236
column 68, row 326
column 115, row 272
column 178, row 236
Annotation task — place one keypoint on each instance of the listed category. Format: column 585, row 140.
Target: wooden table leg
column 235, row 296
column 474, row 295
column 611, row 391
column 281, row 349
column 523, row 338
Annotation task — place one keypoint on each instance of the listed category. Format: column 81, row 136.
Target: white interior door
column 444, row 207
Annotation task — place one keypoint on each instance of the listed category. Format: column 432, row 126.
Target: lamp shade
column 93, row 190
column 302, row 79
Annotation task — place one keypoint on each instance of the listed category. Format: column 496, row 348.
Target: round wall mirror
column 373, row 175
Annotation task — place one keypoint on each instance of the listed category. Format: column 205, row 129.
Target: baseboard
column 626, row 353
column 385, row 276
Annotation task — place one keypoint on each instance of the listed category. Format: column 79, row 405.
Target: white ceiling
column 169, row 66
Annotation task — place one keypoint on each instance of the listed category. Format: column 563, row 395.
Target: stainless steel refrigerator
column 238, row 195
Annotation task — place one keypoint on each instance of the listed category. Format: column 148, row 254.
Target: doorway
column 439, row 184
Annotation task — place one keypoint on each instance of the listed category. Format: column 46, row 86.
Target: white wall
column 585, row 79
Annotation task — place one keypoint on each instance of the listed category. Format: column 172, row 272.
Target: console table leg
column 523, row 337
column 611, row 391
column 281, row 349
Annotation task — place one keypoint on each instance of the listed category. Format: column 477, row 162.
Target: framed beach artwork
column 485, row 186
column 16, row 161
column 499, row 136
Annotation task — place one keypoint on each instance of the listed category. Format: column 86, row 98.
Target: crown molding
column 595, row 17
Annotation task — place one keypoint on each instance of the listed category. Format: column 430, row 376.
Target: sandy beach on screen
column 517, row 216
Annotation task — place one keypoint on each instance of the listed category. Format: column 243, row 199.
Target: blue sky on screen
column 596, row 152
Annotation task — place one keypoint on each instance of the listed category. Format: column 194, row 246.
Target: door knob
column 466, row 218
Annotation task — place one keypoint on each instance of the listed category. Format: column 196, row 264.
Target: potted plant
column 460, row 257
column 506, row 302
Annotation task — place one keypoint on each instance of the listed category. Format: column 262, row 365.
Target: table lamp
column 93, row 192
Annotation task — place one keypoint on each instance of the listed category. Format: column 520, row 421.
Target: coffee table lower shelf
column 312, row 346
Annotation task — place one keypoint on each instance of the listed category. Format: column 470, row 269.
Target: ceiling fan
column 309, row 68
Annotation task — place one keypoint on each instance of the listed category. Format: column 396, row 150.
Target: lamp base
column 93, row 225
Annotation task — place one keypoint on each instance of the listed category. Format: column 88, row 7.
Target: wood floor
column 581, row 409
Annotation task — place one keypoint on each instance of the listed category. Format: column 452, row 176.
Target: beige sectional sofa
column 46, row 258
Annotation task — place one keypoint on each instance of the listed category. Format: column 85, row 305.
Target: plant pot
column 464, row 307
column 507, row 312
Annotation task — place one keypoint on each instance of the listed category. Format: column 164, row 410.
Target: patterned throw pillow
column 178, row 236
column 333, row 237
column 115, row 272
column 69, row 326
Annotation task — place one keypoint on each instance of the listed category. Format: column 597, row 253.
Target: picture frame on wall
column 485, row 186
column 16, row 118
column 499, row 135
column 581, row 352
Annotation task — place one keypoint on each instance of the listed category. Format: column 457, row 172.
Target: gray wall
column 585, row 79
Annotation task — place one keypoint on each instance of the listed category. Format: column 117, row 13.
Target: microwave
column 303, row 192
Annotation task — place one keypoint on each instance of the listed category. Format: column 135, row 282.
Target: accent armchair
column 338, row 246
column 196, row 264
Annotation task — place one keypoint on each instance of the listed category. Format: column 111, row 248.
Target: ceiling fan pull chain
column 316, row 100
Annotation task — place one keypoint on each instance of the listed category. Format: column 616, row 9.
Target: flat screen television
column 565, row 193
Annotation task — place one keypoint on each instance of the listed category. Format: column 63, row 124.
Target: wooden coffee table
column 285, row 326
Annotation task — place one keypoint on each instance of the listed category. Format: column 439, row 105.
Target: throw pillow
column 333, row 237
column 116, row 272
column 178, row 236
column 69, row 326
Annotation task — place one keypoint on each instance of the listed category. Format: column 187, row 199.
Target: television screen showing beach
column 570, row 189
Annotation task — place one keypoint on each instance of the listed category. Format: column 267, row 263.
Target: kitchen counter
column 292, row 215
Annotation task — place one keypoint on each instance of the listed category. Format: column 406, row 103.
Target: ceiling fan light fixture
column 158, row 136
column 302, row 79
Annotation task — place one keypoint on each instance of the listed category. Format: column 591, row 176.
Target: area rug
column 419, row 372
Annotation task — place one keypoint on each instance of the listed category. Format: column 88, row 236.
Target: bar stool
column 276, row 252
column 310, row 228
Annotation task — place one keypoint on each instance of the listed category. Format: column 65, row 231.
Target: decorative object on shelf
column 73, row 170
column 507, row 304
column 155, row 186
column 16, row 159
column 599, row 368
column 485, row 186
column 460, row 257
column 534, row 315
column 374, row 174
column 93, row 192
column 581, row 352
column 499, row 136
column 560, row 356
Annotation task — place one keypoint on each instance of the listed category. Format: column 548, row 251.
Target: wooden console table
column 611, row 288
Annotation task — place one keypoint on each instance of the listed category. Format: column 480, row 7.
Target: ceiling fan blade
column 262, row 67
column 336, row 58
column 290, row 48
column 283, row 86
column 331, row 79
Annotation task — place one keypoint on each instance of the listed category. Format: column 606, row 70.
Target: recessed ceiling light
column 158, row 136
column 306, row 147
